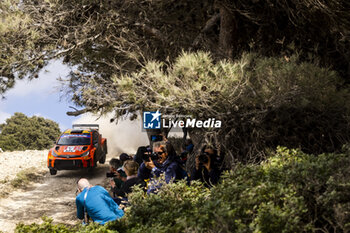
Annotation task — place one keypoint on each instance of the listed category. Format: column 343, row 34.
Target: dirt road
column 53, row 196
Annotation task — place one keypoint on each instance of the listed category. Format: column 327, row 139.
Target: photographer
column 95, row 202
column 124, row 157
column 167, row 163
column 144, row 154
column 207, row 169
column 116, row 174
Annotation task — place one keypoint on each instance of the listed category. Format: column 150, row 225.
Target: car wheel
column 103, row 158
column 53, row 172
column 95, row 160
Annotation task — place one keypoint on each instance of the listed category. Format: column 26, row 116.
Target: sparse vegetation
column 22, row 180
column 26, row 176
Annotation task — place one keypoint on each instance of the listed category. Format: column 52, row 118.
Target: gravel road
column 52, row 196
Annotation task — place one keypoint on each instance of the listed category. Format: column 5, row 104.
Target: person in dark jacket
column 207, row 169
column 168, row 163
column 141, row 151
column 116, row 170
column 130, row 168
column 144, row 154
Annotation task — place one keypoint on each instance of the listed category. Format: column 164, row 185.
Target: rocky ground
column 52, row 196
column 11, row 163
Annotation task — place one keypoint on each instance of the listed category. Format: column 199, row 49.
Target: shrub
column 262, row 101
column 24, row 177
column 28, row 133
column 290, row 192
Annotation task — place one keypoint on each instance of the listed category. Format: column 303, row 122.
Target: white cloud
column 4, row 116
column 46, row 83
column 63, row 127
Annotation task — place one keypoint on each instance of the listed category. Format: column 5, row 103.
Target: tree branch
column 208, row 26
column 77, row 112
column 154, row 32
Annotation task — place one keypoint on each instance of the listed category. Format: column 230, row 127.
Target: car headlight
column 54, row 153
column 85, row 154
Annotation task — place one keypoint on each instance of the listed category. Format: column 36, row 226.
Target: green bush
column 290, row 192
column 28, row 133
column 48, row 226
column 263, row 102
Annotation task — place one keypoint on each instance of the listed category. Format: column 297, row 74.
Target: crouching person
column 95, row 202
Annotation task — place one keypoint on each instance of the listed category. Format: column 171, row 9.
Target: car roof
column 78, row 131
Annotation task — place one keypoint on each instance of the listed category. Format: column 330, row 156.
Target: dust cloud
column 125, row 136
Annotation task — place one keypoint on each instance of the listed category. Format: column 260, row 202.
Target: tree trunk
column 228, row 32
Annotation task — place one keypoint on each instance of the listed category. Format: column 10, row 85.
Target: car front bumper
column 69, row 164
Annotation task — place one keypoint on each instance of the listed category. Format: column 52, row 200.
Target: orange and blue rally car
column 80, row 147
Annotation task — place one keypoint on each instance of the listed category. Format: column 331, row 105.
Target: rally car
column 80, row 147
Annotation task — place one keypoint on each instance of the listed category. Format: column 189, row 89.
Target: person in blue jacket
column 96, row 202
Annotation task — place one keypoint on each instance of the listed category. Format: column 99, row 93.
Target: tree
column 104, row 41
column 100, row 38
column 262, row 102
column 28, row 133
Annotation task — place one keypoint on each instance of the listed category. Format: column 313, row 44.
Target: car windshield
column 74, row 139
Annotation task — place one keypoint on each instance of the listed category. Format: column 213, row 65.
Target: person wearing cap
column 95, row 202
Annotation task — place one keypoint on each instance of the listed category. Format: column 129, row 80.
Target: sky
column 40, row 97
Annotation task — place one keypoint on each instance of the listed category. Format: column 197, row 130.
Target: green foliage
column 21, row 54
column 118, row 37
column 47, row 226
column 290, row 192
column 28, row 133
column 179, row 204
column 261, row 101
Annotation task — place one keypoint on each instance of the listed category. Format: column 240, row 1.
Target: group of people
column 143, row 169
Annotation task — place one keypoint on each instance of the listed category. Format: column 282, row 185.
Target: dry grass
column 22, row 180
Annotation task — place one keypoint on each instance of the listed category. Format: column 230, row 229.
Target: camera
column 154, row 156
column 148, row 155
column 203, row 158
column 110, row 174
column 156, row 138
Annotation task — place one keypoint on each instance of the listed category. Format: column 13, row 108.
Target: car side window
column 94, row 137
